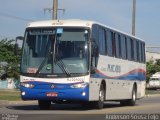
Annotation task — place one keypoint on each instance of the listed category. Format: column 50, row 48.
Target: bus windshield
column 58, row 51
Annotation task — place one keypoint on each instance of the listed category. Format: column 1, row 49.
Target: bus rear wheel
column 44, row 104
column 100, row 103
column 132, row 101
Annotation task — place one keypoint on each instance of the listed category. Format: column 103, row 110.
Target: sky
column 16, row 14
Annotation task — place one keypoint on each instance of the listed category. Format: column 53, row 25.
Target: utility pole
column 54, row 10
column 134, row 17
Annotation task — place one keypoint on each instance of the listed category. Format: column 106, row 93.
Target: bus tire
column 44, row 104
column 86, row 105
column 132, row 101
column 100, row 103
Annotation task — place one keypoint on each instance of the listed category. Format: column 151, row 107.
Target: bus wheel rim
column 134, row 96
column 101, row 95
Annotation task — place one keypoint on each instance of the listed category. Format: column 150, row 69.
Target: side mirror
column 16, row 44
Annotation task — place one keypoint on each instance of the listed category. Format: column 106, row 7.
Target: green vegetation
column 151, row 92
column 7, row 54
column 10, row 95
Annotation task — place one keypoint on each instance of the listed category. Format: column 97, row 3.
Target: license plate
column 52, row 94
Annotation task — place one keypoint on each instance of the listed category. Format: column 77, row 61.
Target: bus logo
column 52, row 86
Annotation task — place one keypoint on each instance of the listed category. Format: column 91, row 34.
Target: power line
column 15, row 17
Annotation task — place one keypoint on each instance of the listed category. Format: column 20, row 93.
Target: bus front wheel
column 44, row 104
column 99, row 104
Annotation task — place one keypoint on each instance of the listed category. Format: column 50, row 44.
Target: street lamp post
column 134, row 17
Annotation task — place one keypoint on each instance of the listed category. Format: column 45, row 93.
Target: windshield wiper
column 61, row 64
column 58, row 61
column 44, row 60
column 42, row 64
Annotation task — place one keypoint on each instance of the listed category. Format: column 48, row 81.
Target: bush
column 7, row 54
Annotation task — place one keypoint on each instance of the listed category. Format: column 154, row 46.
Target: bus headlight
column 27, row 85
column 79, row 85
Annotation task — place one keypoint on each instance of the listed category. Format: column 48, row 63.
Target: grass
column 152, row 91
column 10, row 95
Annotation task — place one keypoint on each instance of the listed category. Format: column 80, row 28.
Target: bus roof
column 73, row 23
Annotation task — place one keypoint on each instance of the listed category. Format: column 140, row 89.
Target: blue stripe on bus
column 137, row 74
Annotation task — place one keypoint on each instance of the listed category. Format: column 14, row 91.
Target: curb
column 4, row 103
column 23, row 102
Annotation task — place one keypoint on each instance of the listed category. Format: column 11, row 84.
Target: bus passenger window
column 143, row 52
column 129, row 49
column 102, row 42
column 123, row 47
column 113, row 44
column 135, row 50
column 138, row 54
column 117, row 42
column 109, row 43
column 132, row 50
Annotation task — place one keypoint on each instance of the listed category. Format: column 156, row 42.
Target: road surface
column 25, row 111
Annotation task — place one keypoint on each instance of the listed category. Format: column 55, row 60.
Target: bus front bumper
column 70, row 94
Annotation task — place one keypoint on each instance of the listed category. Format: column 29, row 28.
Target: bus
column 81, row 61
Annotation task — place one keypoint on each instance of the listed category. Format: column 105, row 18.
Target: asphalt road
column 30, row 110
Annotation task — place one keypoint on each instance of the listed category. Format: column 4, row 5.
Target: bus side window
column 113, row 44
column 126, row 47
column 102, row 44
column 129, row 49
column 143, row 52
column 132, row 50
column 135, row 50
column 109, row 43
column 94, row 48
column 118, row 46
column 138, row 54
column 123, row 47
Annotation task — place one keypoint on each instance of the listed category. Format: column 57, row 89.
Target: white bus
column 81, row 61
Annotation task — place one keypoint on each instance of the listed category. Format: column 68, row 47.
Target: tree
column 7, row 55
